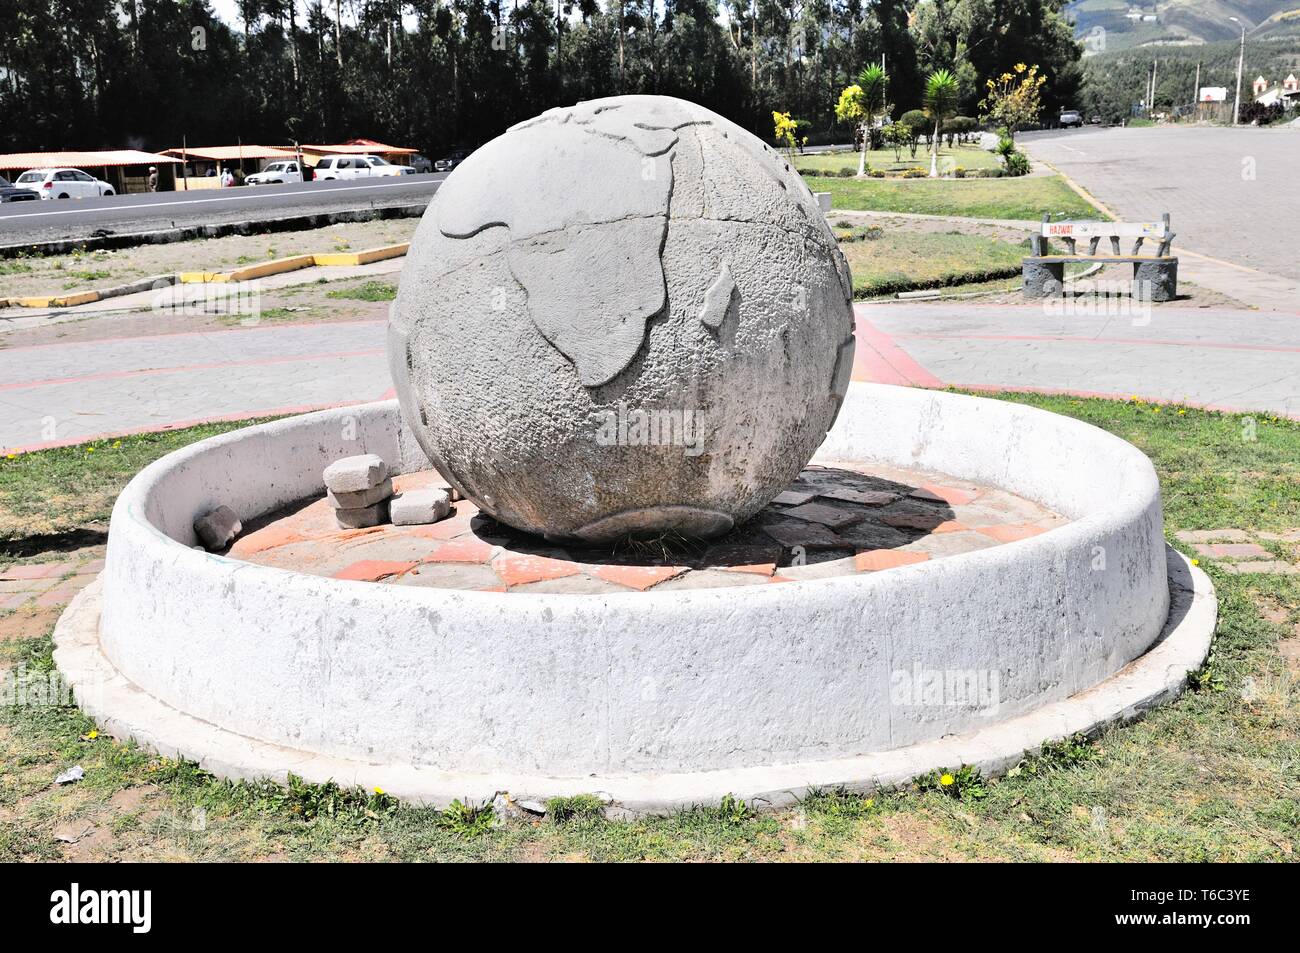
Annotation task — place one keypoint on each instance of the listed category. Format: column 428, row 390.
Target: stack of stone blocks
column 361, row 492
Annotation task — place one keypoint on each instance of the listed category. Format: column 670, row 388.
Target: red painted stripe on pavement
column 880, row 360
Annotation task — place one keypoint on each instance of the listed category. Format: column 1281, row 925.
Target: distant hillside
column 1176, row 23
column 1116, row 79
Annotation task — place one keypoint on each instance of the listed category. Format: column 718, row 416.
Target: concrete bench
column 1155, row 277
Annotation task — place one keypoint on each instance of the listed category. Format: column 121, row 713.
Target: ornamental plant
column 1014, row 100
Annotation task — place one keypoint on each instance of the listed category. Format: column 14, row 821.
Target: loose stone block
column 415, row 507
column 217, row 528
column 355, row 474
column 360, row 498
column 363, row 517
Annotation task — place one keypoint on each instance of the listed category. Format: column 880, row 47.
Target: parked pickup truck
column 285, row 170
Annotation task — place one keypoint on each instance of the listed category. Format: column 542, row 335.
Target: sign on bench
column 1155, row 277
column 1072, row 232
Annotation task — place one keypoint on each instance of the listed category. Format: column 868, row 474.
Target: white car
column 63, row 184
column 354, row 167
column 283, row 171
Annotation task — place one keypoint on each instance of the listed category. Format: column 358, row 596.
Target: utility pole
column 1155, row 65
column 1241, row 58
column 1196, row 89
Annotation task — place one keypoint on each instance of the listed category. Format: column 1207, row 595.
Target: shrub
column 1017, row 163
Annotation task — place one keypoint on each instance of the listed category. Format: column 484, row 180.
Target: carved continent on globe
column 627, row 317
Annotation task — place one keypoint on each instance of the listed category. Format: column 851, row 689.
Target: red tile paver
column 874, row 560
column 468, row 550
column 520, row 569
column 268, row 537
column 639, row 578
column 1010, row 532
column 948, row 494
column 1233, row 550
column 372, row 570
column 950, row 526
column 36, row 571
column 91, row 568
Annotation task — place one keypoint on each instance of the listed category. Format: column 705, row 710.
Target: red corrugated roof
column 77, row 160
column 360, row 147
column 224, row 153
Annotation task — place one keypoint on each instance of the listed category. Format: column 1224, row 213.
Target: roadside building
column 397, row 155
column 204, row 164
column 126, row 170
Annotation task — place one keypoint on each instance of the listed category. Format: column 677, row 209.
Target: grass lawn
column 1211, row 777
column 61, row 490
column 963, row 156
column 1024, row 198
column 898, row 260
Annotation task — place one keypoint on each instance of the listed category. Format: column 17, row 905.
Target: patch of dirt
column 27, row 623
column 307, row 303
column 930, row 226
column 100, row 839
column 70, row 274
column 1290, row 649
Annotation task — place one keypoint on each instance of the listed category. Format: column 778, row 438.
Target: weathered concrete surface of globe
column 628, row 316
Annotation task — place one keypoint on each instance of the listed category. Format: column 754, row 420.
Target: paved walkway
column 1231, row 360
column 57, row 394
column 64, row 393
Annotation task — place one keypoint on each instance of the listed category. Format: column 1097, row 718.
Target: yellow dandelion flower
column 92, row 734
column 946, row 780
column 1021, row 67
column 1182, row 413
column 1196, row 562
column 379, row 790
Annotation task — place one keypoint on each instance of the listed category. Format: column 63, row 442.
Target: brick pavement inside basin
column 834, row 520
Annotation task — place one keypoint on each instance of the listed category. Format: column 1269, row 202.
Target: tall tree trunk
column 293, row 38
column 338, row 31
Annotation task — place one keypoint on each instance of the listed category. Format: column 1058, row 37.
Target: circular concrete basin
column 660, row 698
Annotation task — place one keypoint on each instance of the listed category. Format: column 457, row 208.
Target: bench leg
column 1043, row 279
column 1156, row 280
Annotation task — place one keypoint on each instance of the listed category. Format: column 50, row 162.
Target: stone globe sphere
column 625, row 318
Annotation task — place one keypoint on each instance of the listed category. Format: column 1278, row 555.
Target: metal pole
column 1241, row 58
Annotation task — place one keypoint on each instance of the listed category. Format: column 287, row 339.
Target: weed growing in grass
column 965, row 784
column 1071, row 752
column 578, row 807
column 466, row 818
column 370, row 291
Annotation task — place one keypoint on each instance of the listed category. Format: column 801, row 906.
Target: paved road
column 70, row 391
column 52, row 219
column 1232, row 193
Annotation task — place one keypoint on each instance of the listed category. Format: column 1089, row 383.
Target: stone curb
column 262, row 270
column 1160, row 675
